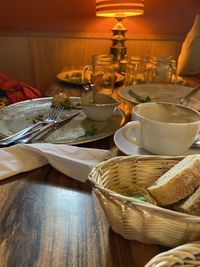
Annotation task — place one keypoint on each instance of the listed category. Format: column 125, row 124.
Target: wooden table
column 50, row 220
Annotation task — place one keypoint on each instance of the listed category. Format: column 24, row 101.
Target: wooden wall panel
column 15, row 57
column 160, row 17
column 37, row 58
column 154, row 47
column 53, row 54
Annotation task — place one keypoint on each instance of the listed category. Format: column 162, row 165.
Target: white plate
column 129, row 148
column 71, row 77
column 75, row 77
column 18, row 116
column 160, row 92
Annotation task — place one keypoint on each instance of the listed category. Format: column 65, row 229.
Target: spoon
column 185, row 100
column 196, row 144
column 93, row 87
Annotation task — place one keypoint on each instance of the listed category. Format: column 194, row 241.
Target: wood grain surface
column 48, row 219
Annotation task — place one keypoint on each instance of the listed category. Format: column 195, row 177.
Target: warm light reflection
column 119, row 8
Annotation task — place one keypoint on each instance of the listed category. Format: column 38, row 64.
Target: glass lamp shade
column 119, row 8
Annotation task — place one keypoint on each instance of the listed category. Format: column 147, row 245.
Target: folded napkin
column 75, row 162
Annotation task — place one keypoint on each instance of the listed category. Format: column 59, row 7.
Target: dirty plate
column 79, row 130
column 172, row 93
column 75, row 77
column 71, row 77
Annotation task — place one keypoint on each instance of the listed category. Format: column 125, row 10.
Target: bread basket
column 185, row 255
column 138, row 220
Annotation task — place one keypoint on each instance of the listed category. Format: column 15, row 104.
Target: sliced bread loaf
column 177, row 183
column 190, row 205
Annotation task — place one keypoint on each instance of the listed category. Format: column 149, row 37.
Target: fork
column 29, row 136
column 54, row 115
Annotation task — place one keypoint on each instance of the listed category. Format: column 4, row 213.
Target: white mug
column 163, row 128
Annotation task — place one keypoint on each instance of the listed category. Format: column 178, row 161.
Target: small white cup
column 102, row 109
column 163, row 128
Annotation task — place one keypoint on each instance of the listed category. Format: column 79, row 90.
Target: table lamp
column 119, row 9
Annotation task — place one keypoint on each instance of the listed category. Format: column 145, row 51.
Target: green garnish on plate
column 91, row 131
column 38, row 118
column 140, row 99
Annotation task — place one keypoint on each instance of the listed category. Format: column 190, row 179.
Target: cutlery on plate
column 140, row 99
column 54, row 125
column 54, row 115
column 185, row 100
column 196, row 144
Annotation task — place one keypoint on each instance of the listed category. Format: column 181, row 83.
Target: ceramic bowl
column 102, row 109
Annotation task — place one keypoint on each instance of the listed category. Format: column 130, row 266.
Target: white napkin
column 75, row 162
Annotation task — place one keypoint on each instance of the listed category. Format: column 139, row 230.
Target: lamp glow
column 119, row 9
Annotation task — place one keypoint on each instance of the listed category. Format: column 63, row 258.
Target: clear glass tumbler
column 137, row 70
column 163, row 70
column 101, row 73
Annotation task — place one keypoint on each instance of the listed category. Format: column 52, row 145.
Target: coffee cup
column 163, row 128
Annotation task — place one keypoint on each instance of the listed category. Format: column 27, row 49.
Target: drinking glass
column 101, row 73
column 162, row 70
column 137, row 70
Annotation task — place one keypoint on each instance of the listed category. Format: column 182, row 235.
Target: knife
column 54, row 125
column 10, row 139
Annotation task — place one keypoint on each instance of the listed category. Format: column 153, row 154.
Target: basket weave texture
column 138, row 220
column 185, row 255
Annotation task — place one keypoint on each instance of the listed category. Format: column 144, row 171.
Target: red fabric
column 17, row 91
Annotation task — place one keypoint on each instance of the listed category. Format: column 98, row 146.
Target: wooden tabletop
column 50, row 220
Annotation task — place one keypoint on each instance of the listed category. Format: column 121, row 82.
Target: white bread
column 177, row 183
column 190, row 205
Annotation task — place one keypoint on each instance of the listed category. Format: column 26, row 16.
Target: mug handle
column 136, row 126
column 85, row 81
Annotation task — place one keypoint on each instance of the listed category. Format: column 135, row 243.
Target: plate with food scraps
column 172, row 93
column 70, row 76
column 79, row 130
column 75, row 77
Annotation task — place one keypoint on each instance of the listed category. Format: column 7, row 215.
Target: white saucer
column 129, row 148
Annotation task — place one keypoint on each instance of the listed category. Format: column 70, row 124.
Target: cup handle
column 130, row 126
column 85, row 80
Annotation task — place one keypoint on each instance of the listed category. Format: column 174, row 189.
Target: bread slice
column 177, row 183
column 190, row 205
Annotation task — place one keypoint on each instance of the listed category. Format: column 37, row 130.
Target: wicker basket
column 185, row 255
column 138, row 220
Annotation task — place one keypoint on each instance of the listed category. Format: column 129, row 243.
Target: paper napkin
column 75, row 162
